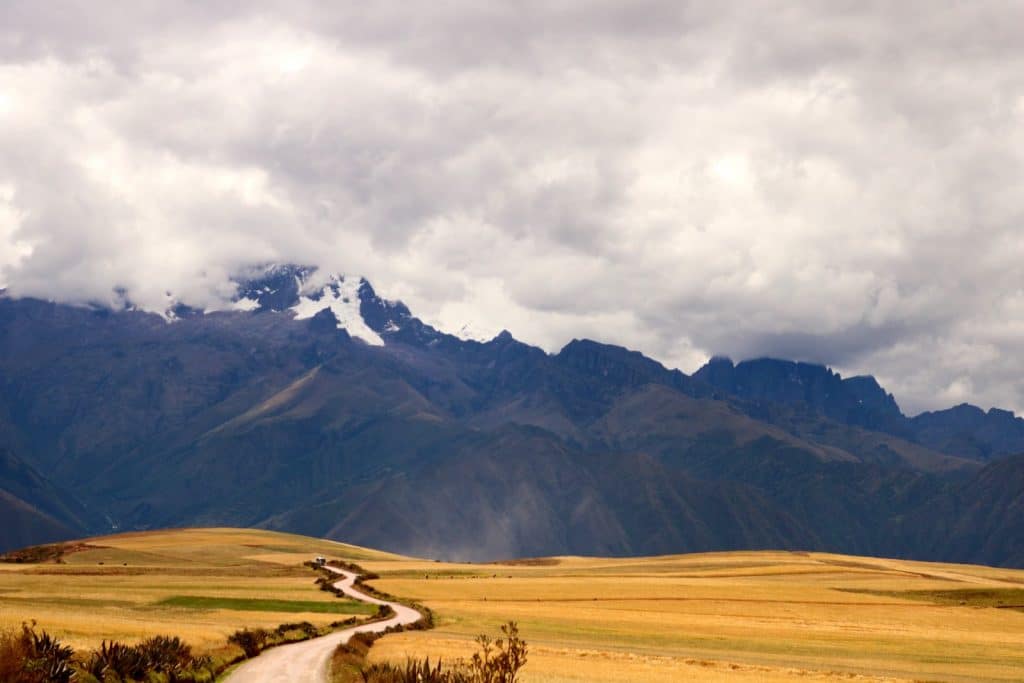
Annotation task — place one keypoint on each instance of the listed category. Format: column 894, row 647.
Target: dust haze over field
column 836, row 184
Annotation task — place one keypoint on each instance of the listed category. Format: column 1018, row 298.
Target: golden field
column 116, row 587
column 742, row 616
column 757, row 616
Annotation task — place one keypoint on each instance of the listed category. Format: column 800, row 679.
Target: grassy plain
column 200, row 584
column 745, row 616
column 764, row 616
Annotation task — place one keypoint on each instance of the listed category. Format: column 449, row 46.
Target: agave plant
column 415, row 671
column 124, row 661
column 164, row 654
column 45, row 658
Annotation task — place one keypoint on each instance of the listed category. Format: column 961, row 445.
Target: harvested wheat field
column 764, row 616
column 200, row 584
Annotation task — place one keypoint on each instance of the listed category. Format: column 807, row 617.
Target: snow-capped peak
column 341, row 296
column 305, row 291
column 476, row 332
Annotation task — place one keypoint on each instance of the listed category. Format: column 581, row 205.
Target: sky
column 836, row 182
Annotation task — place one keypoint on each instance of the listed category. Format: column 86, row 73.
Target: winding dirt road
column 307, row 662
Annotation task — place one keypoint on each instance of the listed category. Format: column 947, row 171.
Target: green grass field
column 263, row 605
column 742, row 616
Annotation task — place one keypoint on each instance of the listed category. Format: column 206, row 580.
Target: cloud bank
column 836, row 182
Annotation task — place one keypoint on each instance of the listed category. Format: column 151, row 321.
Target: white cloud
column 682, row 178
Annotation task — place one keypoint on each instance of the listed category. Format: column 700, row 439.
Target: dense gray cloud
column 836, row 182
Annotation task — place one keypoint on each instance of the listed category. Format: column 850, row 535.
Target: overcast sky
column 829, row 181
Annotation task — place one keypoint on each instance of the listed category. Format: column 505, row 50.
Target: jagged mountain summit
column 857, row 400
column 347, row 302
column 309, row 403
column 306, row 292
column 966, row 431
column 350, row 301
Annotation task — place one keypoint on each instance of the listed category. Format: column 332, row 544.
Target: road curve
column 308, row 661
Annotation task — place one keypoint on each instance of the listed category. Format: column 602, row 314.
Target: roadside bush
column 252, row 641
column 28, row 656
column 304, row 627
column 424, row 623
column 499, row 661
column 362, row 574
column 496, row 661
column 114, row 659
column 165, row 655
column 364, row 639
column 413, row 672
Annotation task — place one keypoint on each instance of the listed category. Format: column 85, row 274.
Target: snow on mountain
column 476, row 332
column 305, row 291
column 341, row 296
column 271, row 288
column 245, row 304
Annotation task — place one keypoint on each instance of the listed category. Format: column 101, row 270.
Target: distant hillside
column 319, row 407
column 982, row 519
column 34, row 510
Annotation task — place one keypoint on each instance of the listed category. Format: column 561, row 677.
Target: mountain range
column 311, row 404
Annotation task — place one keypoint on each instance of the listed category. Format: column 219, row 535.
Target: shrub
column 251, row 641
column 499, row 661
column 157, row 655
column 496, row 661
column 168, row 655
column 307, row 629
column 413, row 672
column 363, row 640
column 114, row 659
column 36, row 553
column 28, row 656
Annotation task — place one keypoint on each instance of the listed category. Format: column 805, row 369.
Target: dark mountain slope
column 354, row 447
column 981, row 519
column 88, row 388
column 686, row 431
column 346, row 426
column 842, row 497
column 520, row 491
column 347, row 418
column 35, row 511
column 326, row 409
column 25, row 525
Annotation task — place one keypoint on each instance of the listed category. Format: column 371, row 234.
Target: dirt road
column 307, row 662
